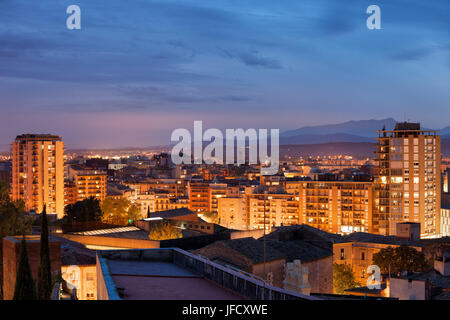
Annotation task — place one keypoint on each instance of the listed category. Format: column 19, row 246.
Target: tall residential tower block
column 38, row 172
column 408, row 184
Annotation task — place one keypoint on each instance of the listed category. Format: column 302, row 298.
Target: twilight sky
column 139, row 69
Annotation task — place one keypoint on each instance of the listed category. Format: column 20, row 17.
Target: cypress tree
column 44, row 285
column 148, row 212
column 25, row 288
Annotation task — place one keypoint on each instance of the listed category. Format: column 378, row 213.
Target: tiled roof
column 253, row 249
column 375, row 238
column 290, row 250
column 298, row 250
column 304, row 227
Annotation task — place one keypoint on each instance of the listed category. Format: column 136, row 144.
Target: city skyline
column 133, row 74
column 195, row 150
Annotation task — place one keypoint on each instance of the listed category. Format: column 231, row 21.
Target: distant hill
column 360, row 150
column 445, row 147
column 361, row 128
column 350, row 131
column 445, row 132
column 318, row 138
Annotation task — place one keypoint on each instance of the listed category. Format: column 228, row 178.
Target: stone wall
column 11, row 255
column 112, row 242
column 219, row 251
column 320, row 275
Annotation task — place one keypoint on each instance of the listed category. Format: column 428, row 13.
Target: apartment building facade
column 233, row 213
column 216, row 192
column 332, row 206
column 159, row 202
column 38, row 172
column 199, row 197
column 272, row 210
column 408, row 185
column 86, row 183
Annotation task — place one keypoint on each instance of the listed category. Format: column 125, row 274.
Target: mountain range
column 350, row 131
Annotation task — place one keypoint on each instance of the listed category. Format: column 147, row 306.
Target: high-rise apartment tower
column 408, row 184
column 38, row 172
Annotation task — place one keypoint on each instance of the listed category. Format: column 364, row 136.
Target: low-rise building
column 152, row 202
column 268, row 260
column 430, row 285
column 358, row 249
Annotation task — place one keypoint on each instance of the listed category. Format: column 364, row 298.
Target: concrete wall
column 320, row 275
column 148, row 255
column 112, row 242
column 11, row 255
column 102, row 291
column 276, row 267
column 403, row 289
column 192, row 243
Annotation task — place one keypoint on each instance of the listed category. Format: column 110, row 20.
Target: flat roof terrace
column 162, row 280
column 174, row 274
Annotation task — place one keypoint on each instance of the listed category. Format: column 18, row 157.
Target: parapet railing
column 244, row 285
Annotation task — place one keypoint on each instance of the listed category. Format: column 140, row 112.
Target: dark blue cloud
column 253, row 58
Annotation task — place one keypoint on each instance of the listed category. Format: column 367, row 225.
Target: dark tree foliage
column 164, row 230
column 4, row 192
column 84, row 211
column 44, row 282
column 25, row 288
column 343, row 278
column 400, row 259
column 119, row 210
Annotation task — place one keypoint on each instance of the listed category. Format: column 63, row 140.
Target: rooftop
column 38, row 137
column 407, row 126
column 121, row 232
column 172, row 273
column 275, row 250
column 172, row 213
column 253, row 249
column 166, row 280
column 376, row 238
column 299, row 250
